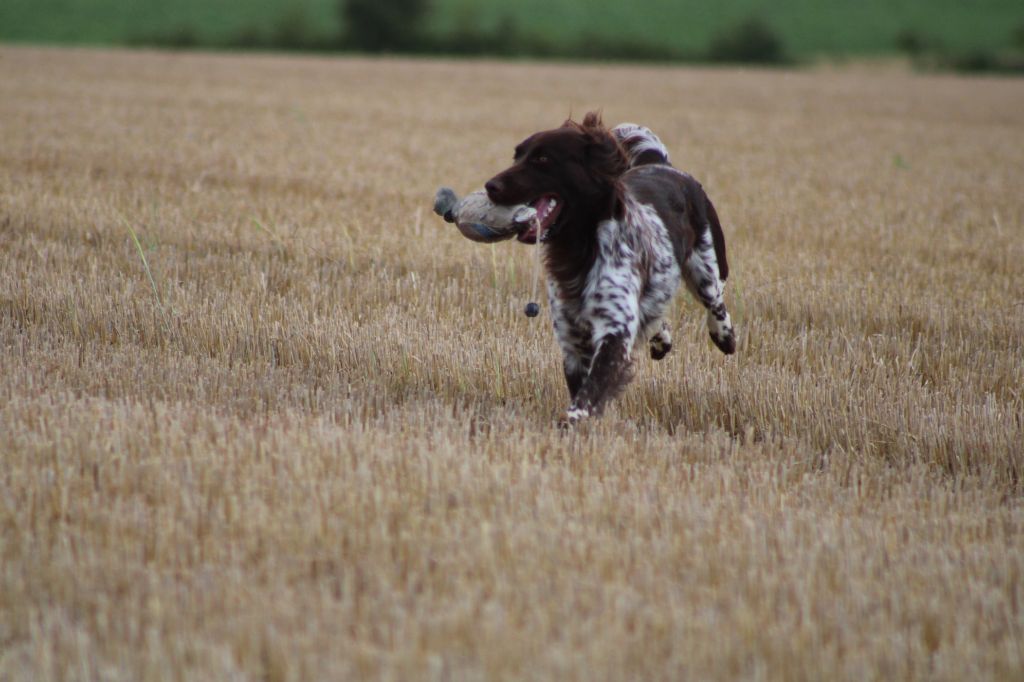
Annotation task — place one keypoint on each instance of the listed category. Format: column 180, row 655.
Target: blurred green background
column 728, row 30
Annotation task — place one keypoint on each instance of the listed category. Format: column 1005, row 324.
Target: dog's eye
column 540, row 159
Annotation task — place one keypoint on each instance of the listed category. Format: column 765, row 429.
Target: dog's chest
column 628, row 286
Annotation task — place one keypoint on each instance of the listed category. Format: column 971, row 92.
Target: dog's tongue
column 540, row 213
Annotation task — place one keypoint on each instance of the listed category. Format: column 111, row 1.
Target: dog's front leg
column 611, row 308
column 575, row 368
column 577, row 349
column 610, row 371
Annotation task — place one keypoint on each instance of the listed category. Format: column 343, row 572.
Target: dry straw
column 338, row 458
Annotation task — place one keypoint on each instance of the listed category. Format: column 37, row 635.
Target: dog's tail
column 641, row 145
column 717, row 239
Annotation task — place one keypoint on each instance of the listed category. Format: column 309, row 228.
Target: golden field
column 311, row 436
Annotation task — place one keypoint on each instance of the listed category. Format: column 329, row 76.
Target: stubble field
column 312, row 436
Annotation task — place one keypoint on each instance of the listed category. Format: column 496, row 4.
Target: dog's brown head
column 568, row 174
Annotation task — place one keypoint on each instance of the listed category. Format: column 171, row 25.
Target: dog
column 620, row 229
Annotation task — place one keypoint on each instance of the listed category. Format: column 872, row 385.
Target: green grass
column 807, row 27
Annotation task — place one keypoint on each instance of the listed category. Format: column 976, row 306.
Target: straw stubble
column 291, row 429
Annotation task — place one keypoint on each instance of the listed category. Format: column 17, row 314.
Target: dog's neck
column 572, row 250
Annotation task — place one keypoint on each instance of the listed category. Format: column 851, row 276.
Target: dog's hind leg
column 700, row 272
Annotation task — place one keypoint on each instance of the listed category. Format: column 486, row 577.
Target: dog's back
column 682, row 205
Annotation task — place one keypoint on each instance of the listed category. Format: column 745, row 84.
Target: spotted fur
column 630, row 229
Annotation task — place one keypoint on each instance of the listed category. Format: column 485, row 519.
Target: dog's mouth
column 548, row 207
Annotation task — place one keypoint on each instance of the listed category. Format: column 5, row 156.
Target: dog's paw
column 572, row 417
column 660, row 349
column 661, row 343
column 726, row 341
column 722, row 333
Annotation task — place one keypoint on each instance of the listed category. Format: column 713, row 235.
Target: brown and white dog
column 620, row 229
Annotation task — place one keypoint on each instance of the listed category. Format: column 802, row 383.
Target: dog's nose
column 494, row 188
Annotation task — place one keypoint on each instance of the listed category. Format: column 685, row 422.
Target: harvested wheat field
column 264, row 416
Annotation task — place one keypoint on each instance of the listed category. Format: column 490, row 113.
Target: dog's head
column 567, row 174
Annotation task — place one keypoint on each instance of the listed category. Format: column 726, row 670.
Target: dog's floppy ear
column 618, row 204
